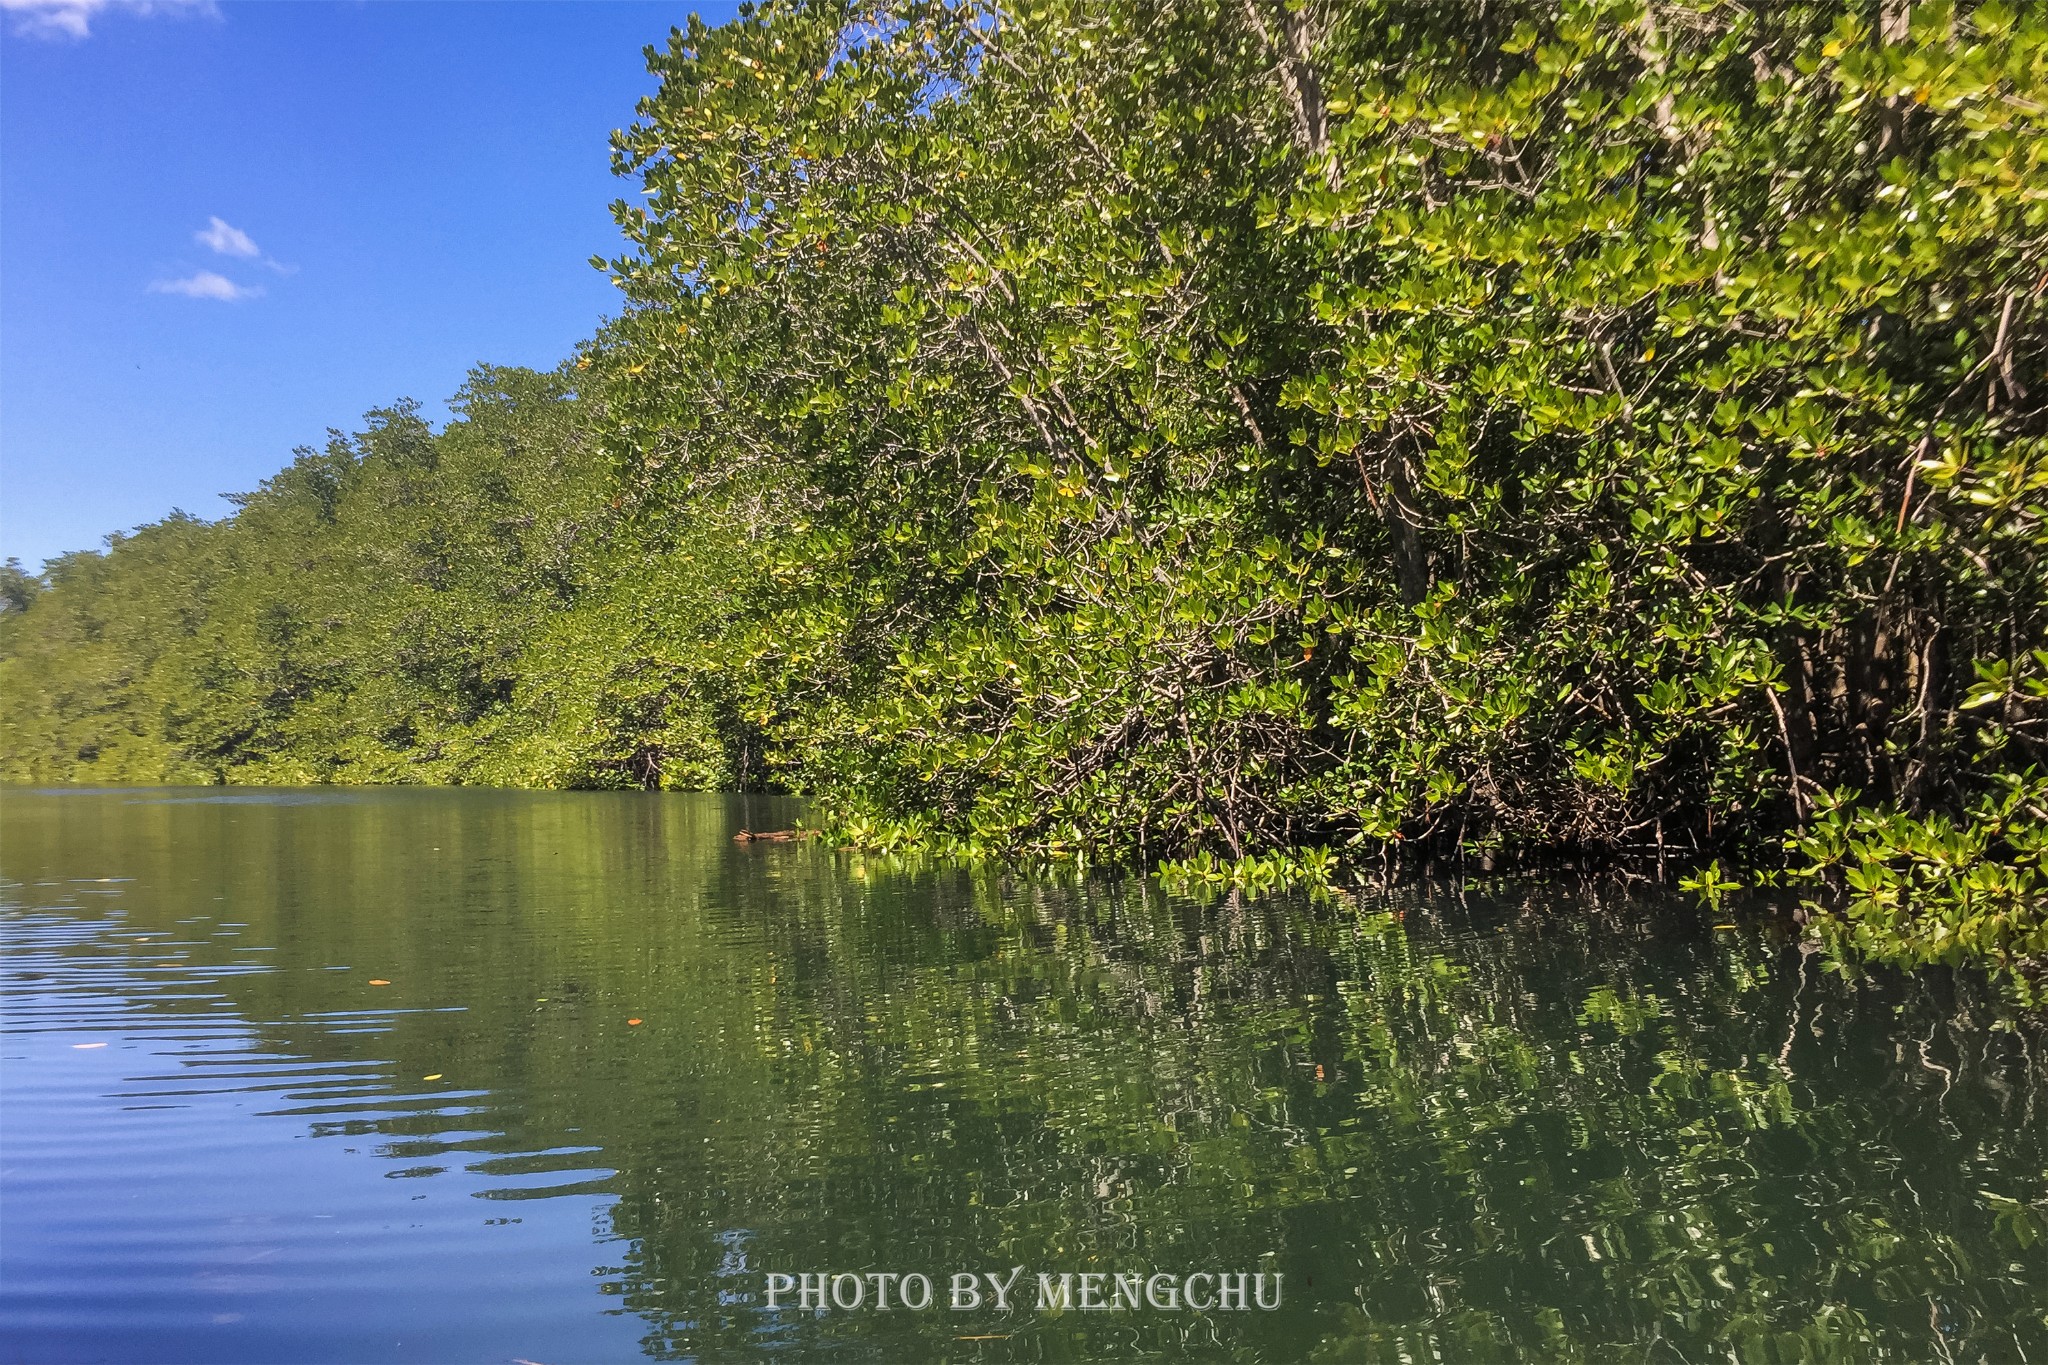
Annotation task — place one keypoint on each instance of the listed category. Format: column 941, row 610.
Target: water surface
column 355, row 1075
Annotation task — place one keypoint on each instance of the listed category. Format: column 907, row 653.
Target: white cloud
column 206, row 285
column 228, row 240
column 73, row 18
column 223, row 239
column 222, row 236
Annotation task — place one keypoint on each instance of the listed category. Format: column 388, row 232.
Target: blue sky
column 226, row 228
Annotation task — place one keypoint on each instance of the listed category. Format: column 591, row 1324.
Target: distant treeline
column 1230, row 434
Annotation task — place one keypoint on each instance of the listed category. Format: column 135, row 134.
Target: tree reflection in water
column 1484, row 1122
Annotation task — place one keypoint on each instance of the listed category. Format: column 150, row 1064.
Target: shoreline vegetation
column 1250, row 441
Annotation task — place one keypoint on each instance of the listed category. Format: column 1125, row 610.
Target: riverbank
column 1219, row 442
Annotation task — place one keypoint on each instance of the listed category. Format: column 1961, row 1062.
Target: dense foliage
column 1196, row 430
column 390, row 608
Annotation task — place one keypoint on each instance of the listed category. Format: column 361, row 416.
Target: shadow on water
column 1500, row 1121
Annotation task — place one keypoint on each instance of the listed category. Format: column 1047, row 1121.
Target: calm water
column 354, row 1076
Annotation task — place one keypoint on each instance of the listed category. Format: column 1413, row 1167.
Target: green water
column 1482, row 1123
